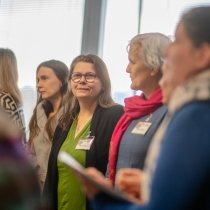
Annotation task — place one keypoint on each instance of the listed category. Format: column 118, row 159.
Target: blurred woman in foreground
column 177, row 170
column 19, row 187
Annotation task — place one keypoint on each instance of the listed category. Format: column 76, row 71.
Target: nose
column 128, row 68
column 82, row 80
column 39, row 84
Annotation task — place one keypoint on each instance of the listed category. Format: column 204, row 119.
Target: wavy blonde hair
column 9, row 74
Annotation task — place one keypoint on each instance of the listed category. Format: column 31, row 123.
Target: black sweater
column 102, row 126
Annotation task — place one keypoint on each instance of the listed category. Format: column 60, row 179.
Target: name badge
column 141, row 128
column 85, row 142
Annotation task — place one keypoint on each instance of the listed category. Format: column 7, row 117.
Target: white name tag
column 85, row 143
column 141, row 128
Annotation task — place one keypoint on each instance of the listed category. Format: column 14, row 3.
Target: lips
column 41, row 92
column 82, row 88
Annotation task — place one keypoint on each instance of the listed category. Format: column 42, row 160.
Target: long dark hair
column 196, row 23
column 62, row 72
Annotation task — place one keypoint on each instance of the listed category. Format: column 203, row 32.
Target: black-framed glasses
column 89, row 77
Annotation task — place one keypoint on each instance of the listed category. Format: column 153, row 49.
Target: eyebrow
column 44, row 75
column 85, row 73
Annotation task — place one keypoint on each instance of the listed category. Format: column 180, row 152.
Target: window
column 121, row 24
column 40, row 30
column 126, row 18
column 163, row 15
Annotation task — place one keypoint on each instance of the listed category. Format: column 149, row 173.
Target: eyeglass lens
column 89, row 77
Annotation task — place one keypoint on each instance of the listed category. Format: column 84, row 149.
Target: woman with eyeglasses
column 84, row 131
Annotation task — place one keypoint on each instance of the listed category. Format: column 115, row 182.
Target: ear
column 154, row 72
column 203, row 56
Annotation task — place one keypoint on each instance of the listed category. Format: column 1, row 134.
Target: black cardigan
column 102, row 126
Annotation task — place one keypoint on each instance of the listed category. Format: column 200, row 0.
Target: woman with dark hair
column 84, row 130
column 51, row 84
column 177, row 170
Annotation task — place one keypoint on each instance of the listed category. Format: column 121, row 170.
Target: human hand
column 129, row 180
column 88, row 187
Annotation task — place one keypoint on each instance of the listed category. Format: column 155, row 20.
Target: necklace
column 78, row 126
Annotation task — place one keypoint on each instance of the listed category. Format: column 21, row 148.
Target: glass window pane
column 121, row 24
column 163, row 15
column 39, row 30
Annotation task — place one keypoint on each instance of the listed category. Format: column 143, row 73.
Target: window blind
column 40, row 30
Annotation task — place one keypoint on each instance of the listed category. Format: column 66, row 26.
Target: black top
column 102, row 126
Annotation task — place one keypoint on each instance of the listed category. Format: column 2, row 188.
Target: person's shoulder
column 6, row 94
column 195, row 108
column 40, row 105
column 8, row 103
column 192, row 113
column 40, row 110
column 190, row 125
column 162, row 109
column 117, row 108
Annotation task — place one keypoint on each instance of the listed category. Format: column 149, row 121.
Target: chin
column 44, row 98
column 47, row 98
column 82, row 97
column 134, row 88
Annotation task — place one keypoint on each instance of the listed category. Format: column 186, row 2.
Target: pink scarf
column 135, row 107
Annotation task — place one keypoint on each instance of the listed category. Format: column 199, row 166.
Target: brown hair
column 61, row 71
column 196, row 23
column 104, row 99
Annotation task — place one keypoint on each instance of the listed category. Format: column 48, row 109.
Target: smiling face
column 83, row 89
column 140, row 74
column 48, row 84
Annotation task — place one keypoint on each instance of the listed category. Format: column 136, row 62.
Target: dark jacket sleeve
column 102, row 126
column 51, row 182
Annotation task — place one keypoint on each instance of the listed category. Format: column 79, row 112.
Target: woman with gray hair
column 144, row 113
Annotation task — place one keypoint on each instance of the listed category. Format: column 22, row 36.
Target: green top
column 70, row 195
